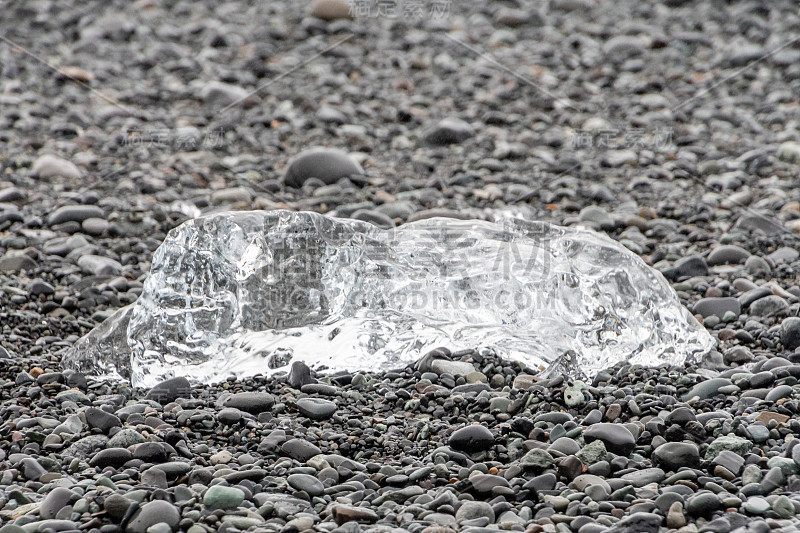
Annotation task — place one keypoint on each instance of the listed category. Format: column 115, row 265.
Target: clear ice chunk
column 243, row 293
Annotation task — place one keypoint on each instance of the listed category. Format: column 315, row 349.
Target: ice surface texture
column 242, row 293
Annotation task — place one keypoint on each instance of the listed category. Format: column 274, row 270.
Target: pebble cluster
column 671, row 125
column 456, row 442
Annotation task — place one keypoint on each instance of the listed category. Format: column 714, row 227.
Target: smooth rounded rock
column 326, row 164
column 470, row 510
column 448, row 131
column 56, row 499
column 727, row 255
column 221, row 497
column 310, row 484
column 50, row 166
column 300, row 449
column 316, row 408
column 616, row 437
column 329, row 10
column 674, row 455
column 170, row 390
column 74, row 213
column 152, row 513
column 717, row 307
column 251, row 402
column 472, row 438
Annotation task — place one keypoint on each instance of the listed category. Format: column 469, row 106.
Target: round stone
column 470, row 510
column 316, row 408
column 153, row 513
column 727, row 255
column 332, row 10
column 305, row 482
column 674, row 455
column 300, row 449
column 50, row 166
column 616, row 437
column 56, row 499
column 449, row 131
column 326, row 164
column 251, row 402
column 473, row 438
column 220, row 497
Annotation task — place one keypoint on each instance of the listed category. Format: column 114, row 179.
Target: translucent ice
column 248, row 292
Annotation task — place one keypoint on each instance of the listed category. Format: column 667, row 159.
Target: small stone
column 454, row 368
column 472, row 438
column 220, row 497
column 573, row 394
column 769, row 306
column 729, row 460
column 326, row 164
column 703, row 504
column 674, row 455
column 115, row 457
column 218, row 94
column 790, row 333
column 343, row 514
column 758, row 433
column 332, row 10
column 152, row 513
column 251, row 402
column 727, row 255
column 116, row 505
column 31, row 469
column 76, row 73
column 154, row 477
column 373, row 217
column 537, row 458
column 300, row 449
column 170, row 390
column 316, row 408
column 222, row 457
column 102, row 420
column 789, row 152
column 779, row 392
column 98, row 265
column 50, row 166
column 16, row 262
column 74, row 213
column 55, row 500
column 310, row 484
column 523, row 381
column 592, row 453
column 616, row 437
column 637, row 523
column 448, row 131
column 299, row 375
column 39, row 287
column 229, row 416
column 756, row 505
column 687, row 267
column 707, row 389
column 717, row 307
column 125, row 437
column 734, row 444
column 784, row 507
column 675, row 516
column 471, row 510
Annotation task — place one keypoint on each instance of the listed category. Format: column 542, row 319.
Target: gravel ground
column 671, row 126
